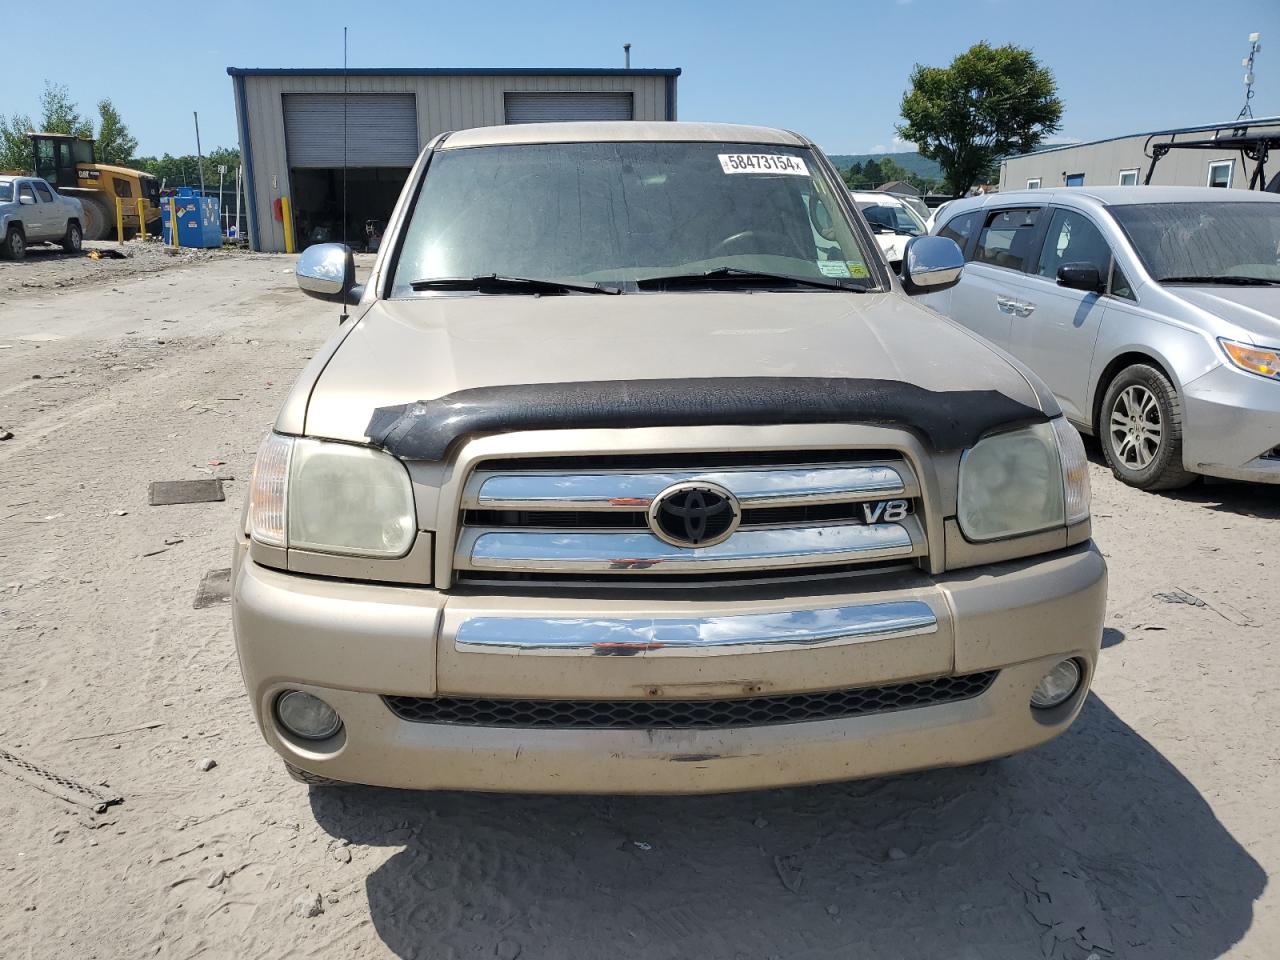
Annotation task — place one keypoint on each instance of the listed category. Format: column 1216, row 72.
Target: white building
column 1126, row 160
column 291, row 131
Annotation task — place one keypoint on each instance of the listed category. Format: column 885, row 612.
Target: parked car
column 634, row 470
column 1153, row 313
column 32, row 211
column 892, row 221
column 936, row 214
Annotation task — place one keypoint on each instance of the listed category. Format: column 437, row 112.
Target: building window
column 1129, row 178
column 1220, row 173
column 1033, row 184
column 1073, row 179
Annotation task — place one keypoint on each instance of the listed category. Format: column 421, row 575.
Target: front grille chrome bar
column 695, row 636
column 764, row 548
column 789, row 486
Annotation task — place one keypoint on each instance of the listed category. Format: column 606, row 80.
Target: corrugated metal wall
column 443, row 103
column 1101, row 163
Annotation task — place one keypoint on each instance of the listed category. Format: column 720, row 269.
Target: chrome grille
column 687, row 714
column 580, row 519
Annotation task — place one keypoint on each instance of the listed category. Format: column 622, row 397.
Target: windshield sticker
column 833, row 268
column 763, row 163
column 858, row 269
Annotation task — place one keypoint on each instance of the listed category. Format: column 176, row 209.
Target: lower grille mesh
column 684, row 714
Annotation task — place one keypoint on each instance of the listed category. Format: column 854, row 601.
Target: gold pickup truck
column 634, row 469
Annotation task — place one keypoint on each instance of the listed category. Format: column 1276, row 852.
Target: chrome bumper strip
column 762, row 548
column 790, row 486
column 695, row 636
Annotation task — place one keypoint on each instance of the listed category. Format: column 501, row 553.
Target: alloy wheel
column 1136, row 428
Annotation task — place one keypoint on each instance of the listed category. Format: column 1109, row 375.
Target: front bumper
column 351, row 643
column 1230, row 420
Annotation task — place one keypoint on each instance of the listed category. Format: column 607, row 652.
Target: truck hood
column 402, row 351
column 1255, row 310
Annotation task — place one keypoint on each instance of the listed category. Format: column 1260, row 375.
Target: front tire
column 1140, row 428
column 98, row 220
column 14, row 246
column 74, row 238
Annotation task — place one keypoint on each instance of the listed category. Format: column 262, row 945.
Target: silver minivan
column 1153, row 313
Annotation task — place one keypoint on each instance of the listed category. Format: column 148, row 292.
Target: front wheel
column 74, row 238
column 1140, row 427
column 15, row 245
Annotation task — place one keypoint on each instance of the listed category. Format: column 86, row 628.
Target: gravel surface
column 1149, row 830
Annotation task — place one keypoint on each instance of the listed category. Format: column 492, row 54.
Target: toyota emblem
column 694, row 514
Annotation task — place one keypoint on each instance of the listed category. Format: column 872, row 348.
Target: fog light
column 306, row 716
column 1056, row 686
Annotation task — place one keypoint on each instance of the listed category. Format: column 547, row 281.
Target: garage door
column 542, row 107
column 382, row 129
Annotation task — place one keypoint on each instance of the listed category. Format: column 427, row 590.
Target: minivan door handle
column 1025, row 309
column 1007, row 305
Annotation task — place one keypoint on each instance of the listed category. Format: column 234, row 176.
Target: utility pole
column 1246, row 112
column 199, row 157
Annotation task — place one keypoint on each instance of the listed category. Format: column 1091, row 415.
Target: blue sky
column 835, row 71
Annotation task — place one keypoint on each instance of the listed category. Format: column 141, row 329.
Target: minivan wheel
column 1140, row 426
column 305, row 776
column 14, row 246
column 74, row 238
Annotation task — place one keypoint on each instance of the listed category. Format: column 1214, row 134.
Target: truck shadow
column 1093, row 844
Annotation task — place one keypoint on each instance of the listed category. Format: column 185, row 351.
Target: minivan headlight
column 1023, row 481
column 331, row 498
column 1260, row 360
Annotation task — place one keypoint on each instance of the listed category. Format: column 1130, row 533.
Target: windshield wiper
column 739, row 275
column 492, row 283
column 1228, row 279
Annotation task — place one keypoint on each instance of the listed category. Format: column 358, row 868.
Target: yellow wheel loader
column 70, row 164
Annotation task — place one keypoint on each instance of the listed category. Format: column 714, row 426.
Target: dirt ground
column 1149, row 830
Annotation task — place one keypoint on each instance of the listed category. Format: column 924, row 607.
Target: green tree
column 991, row 101
column 59, row 114
column 15, row 148
column 853, row 176
column 872, row 174
column 185, row 171
column 115, row 143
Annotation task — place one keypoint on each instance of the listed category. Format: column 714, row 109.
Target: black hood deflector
column 949, row 420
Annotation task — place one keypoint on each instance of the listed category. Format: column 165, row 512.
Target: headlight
column 1259, row 360
column 332, row 498
column 1023, row 481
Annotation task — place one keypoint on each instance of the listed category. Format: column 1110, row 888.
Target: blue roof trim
column 1225, row 125
column 246, row 160
column 451, row 72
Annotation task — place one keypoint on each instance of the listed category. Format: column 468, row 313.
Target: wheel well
column 17, row 225
column 1109, row 374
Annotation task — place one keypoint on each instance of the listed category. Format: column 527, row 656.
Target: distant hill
column 912, row 162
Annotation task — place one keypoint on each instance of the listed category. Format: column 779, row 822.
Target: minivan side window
column 961, row 228
column 43, row 191
column 1072, row 238
column 1006, row 237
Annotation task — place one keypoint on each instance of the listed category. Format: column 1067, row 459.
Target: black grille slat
column 843, row 512
column 688, row 714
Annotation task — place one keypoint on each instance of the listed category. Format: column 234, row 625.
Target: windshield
column 892, row 218
column 6, row 192
column 1204, row 239
column 617, row 213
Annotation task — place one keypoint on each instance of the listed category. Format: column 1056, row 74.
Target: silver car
column 1153, row 313
column 33, row 211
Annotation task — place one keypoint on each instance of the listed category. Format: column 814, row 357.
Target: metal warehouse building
column 291, row 123
column 1125, row 160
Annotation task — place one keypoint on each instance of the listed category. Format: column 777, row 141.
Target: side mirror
column 1080, row 276
column 327, row 271
column 931, row 264
column 26, row 201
